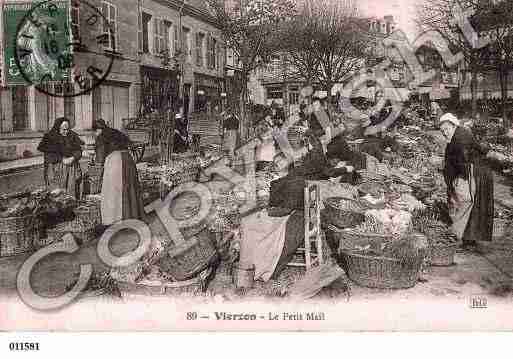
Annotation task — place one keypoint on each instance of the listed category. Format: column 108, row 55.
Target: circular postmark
column 63, row 51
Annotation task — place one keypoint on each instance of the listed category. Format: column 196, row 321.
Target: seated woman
column 62, row 153
column 287, row 193
column 121, row 195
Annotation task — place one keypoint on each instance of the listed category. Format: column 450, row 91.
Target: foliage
column 326, row 42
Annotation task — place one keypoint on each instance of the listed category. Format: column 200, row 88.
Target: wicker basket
column 190, row 257
column 17, row 235
column 350, row 239
column 89, row 211
column 95, row 177
column 381, row 272
column 442, row 256
column 344, row 212
column 83, row 232
column 187, row 175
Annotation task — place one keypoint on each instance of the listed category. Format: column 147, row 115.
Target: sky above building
column 402, row 10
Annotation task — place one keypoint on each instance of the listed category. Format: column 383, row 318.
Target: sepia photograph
column 264, row 165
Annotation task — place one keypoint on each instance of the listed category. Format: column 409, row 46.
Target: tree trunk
column 504, row 93
column 473, row 91
column 244, row 121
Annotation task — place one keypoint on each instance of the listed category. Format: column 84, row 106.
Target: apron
column 121, row 194
column 265, row 151
column 460, row 206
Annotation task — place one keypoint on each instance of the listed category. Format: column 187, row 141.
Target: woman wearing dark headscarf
column 121, row 195
column 62, row 153
column 469, row 184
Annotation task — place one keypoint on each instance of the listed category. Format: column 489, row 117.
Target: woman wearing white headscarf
column 469, row 184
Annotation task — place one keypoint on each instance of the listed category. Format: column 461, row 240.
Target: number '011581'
column 23, row 346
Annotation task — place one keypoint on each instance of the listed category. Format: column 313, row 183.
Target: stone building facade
column 143, row 31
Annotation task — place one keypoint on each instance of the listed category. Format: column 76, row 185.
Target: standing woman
column 62, row 150
column 231, row 131
column 469, row 184
column 121, row 195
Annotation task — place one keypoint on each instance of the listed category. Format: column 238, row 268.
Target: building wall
column 119, row 96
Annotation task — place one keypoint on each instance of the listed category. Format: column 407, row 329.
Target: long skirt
column 121, row 194
column 472, row 210
column 67, row 177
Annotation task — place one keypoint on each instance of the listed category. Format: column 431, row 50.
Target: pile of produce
column 386, row 221
column 437, row 232
column 99, row 282
column 37, row 202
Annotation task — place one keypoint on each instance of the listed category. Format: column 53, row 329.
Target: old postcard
column 289, row 165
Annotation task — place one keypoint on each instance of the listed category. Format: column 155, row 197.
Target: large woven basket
column 348, row 239
column 89, row 211
column 344, row 212
column 381, row 272
column 295, row 135
column 17, row 235
column 197, row 254
column 95, row 177
column 442, row 256
column 83, row 232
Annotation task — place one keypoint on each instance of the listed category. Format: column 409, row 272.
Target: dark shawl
column 338, row 148
column 109, row 141
column 56, row 146
column 460, row 154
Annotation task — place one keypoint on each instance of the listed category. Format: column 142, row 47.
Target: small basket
column 442, row 256
column 190, row 257
column 381, row 272
column 187, row 175
column 243, row 277
column 89, row 211
column 344, row 212
column 83, row 232
column 17, row 235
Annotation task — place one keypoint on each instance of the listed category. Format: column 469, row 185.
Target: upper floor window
column 200, row 39
column 75, row 20
column 161, row 36
column 110, row 26
column 185, row 43
column 144, row 31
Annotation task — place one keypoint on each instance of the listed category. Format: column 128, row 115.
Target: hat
column 449, row 117
column 99, row 124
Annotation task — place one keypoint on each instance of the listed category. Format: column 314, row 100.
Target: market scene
column 272, row 149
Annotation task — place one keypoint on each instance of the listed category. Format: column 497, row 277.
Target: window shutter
column 175, row 39
column 155, row 36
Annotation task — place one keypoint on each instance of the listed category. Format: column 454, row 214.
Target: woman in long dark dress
column 469, row 184
column 62, row 149
column 121, row 194
column 287, row 193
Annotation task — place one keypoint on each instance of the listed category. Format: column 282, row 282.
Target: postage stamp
column 292, row 166
column 47, row 46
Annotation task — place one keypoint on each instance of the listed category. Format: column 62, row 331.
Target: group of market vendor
column 337, row 162
column 62, row 149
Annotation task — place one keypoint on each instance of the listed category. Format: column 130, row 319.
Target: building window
column 110, row 27
column 176, row 42
column 185, row 43
column 161, row 36
column 294, row 97
column 20, row 108
column 214, row 53
column 145, row 32
column 200, row 39
column 274, row 93
column 75, row 20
